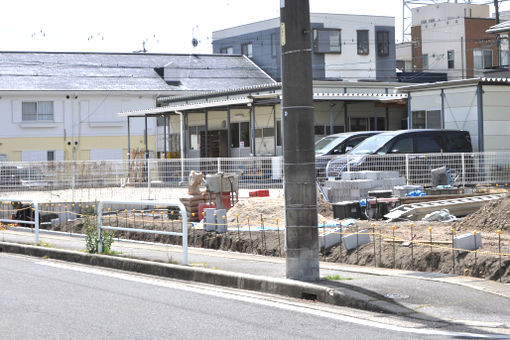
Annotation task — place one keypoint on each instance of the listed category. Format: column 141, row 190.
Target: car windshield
column 325, row 144
column 371, row 144
column 31, row 174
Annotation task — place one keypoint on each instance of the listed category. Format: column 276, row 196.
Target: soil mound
column 491, row 217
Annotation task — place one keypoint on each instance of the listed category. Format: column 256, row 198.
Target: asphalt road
column 47, row 299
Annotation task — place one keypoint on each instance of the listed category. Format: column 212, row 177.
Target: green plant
column 92, row 237
column 336, row 278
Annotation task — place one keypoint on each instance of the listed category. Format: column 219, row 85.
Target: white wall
column 349, row 65
column 445, row 11
column 496, row 118
column 440, row 37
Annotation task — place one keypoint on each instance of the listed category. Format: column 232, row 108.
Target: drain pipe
column 182, row 144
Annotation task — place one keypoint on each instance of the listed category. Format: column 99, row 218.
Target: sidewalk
column 440, row 297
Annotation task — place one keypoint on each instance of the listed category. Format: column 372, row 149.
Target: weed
column 336, row 278
column 92, row 237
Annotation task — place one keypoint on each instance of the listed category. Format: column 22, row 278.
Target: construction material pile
column 492, row 216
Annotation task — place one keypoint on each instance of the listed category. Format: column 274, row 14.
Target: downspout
column 181, row 118
column 442, row 108
column 409, row 112
column 479, row 94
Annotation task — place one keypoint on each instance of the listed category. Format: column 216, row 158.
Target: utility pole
column 301, row 236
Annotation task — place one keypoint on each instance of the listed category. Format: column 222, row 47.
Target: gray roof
column 500, row 28
column 46, row 71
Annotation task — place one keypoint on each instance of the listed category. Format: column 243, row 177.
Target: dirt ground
column 256, row 225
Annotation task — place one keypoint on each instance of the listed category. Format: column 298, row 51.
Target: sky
column 166, row 26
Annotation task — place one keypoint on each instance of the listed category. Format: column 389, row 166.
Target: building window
column 362, row 36
column 425, row 62
column 327, row 40
column 482, row 59
column 247, row 50
column 227, row 50
column 427, row 119
column 240, row 134
column 451, row 59
column 50, row 156
column 160, row 121
column 37, row 111
column 383, row 43
column 274, row 45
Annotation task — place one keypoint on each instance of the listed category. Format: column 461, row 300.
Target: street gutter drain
column 396, row 296
column 308, row 296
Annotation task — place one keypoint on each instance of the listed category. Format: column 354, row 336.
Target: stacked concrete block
column 402, row 190
column 221, row 223
column 353, row 241
column 468, row 242
column 355, row 185
column 213, row 220
column 330, row 238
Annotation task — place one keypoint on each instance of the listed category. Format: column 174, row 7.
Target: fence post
column 407, row 169
column 148, row 179
column 184, row 217
column 36, row 220
column 219, row 165
column 463, row 170
column 73, row 181
column 99, row 224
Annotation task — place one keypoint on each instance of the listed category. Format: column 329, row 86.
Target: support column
column 129, row 137
column 409, row 112
column 375, row 117
column 346, row 119
column 275, row 131
column 479, row 95
column 165, row 135
column 145, row 139
column 206, row 134
column 229, row 137
column 302, row 246
column 252, row 119
column 442, row 108
column 331, row 118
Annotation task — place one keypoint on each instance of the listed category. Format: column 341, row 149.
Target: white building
column 451, row 38
column 56, row 106
column 347, row 47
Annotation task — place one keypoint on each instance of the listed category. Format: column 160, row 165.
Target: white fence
column 255, row 172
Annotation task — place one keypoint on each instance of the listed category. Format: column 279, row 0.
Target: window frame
column 274, row 45
column 425, row 119
column 450, row 57
column 358, row 41
column 247, row 49
column 317, row 47
column 38, row 115
column 383, row 43
column 229, row 50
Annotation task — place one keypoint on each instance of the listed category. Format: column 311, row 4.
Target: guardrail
column 27, row 207
column 167, row 204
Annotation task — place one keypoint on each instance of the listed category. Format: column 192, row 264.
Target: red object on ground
column 263, row 193
column 201, row 207
column 225, row 199
column 253, row 193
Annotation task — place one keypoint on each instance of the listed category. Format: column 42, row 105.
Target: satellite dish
column 194, row 42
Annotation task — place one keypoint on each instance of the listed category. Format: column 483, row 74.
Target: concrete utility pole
column 302, row 246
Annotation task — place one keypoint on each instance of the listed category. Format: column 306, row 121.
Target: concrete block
column 221, row 224
column 468, row 242
column 330, row 238
column 209, row 219
column 55, row 222
column 355, row 240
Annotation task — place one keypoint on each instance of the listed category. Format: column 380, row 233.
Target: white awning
column 185, row 107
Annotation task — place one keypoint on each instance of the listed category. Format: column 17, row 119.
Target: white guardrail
column 27, row 207
column 168, row 204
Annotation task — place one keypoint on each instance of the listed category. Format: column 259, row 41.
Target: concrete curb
column 326, row 293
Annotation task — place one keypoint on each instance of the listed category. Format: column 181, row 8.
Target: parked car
column 334, row 145
column 21, row 177
column 340, row 143
column 418, row 144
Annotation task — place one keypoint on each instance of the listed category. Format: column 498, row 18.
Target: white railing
column 142, row 207
column 22, row 212
column 102, row 180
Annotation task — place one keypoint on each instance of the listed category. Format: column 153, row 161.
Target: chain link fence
column 147, row 176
